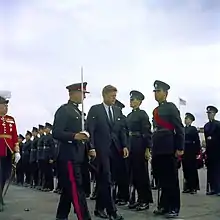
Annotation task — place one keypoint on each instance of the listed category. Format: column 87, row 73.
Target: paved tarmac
column 27, row 204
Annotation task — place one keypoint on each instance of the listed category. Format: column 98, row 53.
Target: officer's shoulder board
column 9, row 119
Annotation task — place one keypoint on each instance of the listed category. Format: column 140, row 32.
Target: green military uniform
column 168, row 137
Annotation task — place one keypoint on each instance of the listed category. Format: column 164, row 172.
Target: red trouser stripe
column 74, row 191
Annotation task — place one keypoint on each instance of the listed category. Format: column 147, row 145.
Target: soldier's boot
column 160, row 211
column 142, row 206
column 172, row 214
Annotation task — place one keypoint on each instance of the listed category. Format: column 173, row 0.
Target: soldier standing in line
column 67, row 129
column 40, row 158
column 168, row 145
column 26, row 158
column 8, row 143
column 212, row 138
column 122, row 180
column 19, row 169
column 33, row 158
column 191, row 153
column 140, row 144
column 48, row 155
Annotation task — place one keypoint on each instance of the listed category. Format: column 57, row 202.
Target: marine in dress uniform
column 67, row 129
column 33, row 158
column 108, row 137
column 212, row 138
column 48, row 155
column 8, row 142
column 26, row 150
column 191, row 153
column 139, row 144
column 40, row 156
column 168, row 145
column 19, row 169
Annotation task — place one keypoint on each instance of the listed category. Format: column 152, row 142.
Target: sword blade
column 9, row 180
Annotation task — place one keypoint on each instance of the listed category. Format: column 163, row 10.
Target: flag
column 182, row 101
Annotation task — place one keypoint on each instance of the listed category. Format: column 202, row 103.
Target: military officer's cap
column 77, row 87
column 134, row 94
column 159, row 85
column 21, row 136
column 211, row 109
column 4, row 96
column 190, row 116
column 29, row 133
column 48, row 125
column 119, row 104
column 34, row 129
column 40, row 127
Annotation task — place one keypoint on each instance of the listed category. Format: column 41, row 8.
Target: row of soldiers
column 38, row 155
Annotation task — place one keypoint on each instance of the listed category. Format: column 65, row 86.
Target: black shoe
column 115, row 217
column 121, row 203
column 210, row 193
column 172, row 214
column 193, row 192
column 186, row 191
column 100, row 214
column 142, row 206
column 93, row 196
column 160, row 211
column 133, row 205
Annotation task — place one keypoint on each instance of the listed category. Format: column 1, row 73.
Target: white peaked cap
column 5, row 94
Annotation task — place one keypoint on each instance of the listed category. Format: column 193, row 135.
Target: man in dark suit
column 108, row 137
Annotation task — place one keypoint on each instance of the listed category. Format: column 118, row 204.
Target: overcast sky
column 125, row 43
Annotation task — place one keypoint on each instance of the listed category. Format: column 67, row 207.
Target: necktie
column 110, row 115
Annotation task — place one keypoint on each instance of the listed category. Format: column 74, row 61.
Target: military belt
column 160, row 129
column 46, row 147
column 135, row 134
column 8, row 136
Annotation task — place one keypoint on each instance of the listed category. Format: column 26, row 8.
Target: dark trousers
column 86, row 178
column 106, row 168
column 166, row 171
column 122, row 179
column 19, row 173
column 213, row 175
column 5, row 170
column 48, row 175
column 34, row 173
column 190, row 173
column 40, row 173
column 70, row 178
column 140, row 178
column 27, row 170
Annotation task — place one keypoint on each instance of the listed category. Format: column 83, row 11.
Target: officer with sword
column 8, row 144
column 68, row 130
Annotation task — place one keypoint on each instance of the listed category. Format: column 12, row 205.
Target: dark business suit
column 108, row 139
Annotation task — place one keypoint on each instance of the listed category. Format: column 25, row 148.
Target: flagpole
column 83, row 116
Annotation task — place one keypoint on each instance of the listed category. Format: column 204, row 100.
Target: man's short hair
column 108, row 89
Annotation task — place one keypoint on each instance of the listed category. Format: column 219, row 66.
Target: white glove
column 86, row 133
column 17, row 157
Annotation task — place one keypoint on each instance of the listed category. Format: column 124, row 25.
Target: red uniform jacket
column 8, row 135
